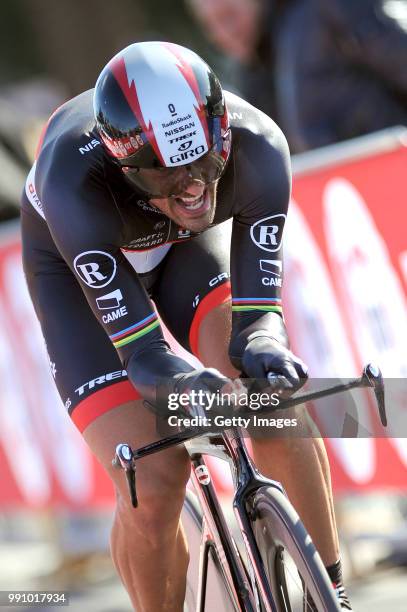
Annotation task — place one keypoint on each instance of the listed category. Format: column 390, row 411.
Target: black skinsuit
column 82, row 223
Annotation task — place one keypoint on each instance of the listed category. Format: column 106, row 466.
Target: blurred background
column 333, row 75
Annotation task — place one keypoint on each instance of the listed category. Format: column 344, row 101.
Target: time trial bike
column 277, row 568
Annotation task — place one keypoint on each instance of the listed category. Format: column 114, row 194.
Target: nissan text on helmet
column 158, row 105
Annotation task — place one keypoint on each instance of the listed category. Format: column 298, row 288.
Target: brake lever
column 374, row 378
column 124, row 459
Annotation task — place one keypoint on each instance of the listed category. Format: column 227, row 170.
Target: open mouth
column 194, row 205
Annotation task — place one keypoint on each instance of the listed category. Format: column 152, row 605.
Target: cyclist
column 129, row 201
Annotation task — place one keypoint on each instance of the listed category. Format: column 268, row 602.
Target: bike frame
column 215, row 532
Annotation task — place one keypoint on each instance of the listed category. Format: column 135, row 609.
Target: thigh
column 194, row 280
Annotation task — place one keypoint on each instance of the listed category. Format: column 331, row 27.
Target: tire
column 217, row 594
column 287, row 552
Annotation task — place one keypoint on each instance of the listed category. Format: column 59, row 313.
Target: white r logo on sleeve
column 267, row 233
column 89, row 270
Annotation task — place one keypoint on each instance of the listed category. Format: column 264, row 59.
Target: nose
column 193, row 186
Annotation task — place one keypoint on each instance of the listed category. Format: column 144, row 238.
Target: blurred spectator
column 341, row 69
column 325, row 70
column 232, row 24
column 244, row 31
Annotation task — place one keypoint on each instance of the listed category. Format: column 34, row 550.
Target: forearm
column 153, row 365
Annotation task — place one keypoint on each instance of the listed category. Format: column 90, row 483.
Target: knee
column 154, row 523
column 290, row 438
column 161, row 492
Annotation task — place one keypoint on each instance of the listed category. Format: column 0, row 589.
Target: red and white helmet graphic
column 159, row 104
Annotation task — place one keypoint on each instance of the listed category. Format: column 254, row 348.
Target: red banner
column 345, row 293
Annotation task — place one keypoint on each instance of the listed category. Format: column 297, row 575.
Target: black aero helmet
column 159, row 105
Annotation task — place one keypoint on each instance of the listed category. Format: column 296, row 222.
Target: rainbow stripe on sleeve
column 266, row 304
column 136, row 331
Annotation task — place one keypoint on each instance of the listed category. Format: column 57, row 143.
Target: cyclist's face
column 193, row 209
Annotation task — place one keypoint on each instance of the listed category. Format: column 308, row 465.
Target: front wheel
column 292, row 564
